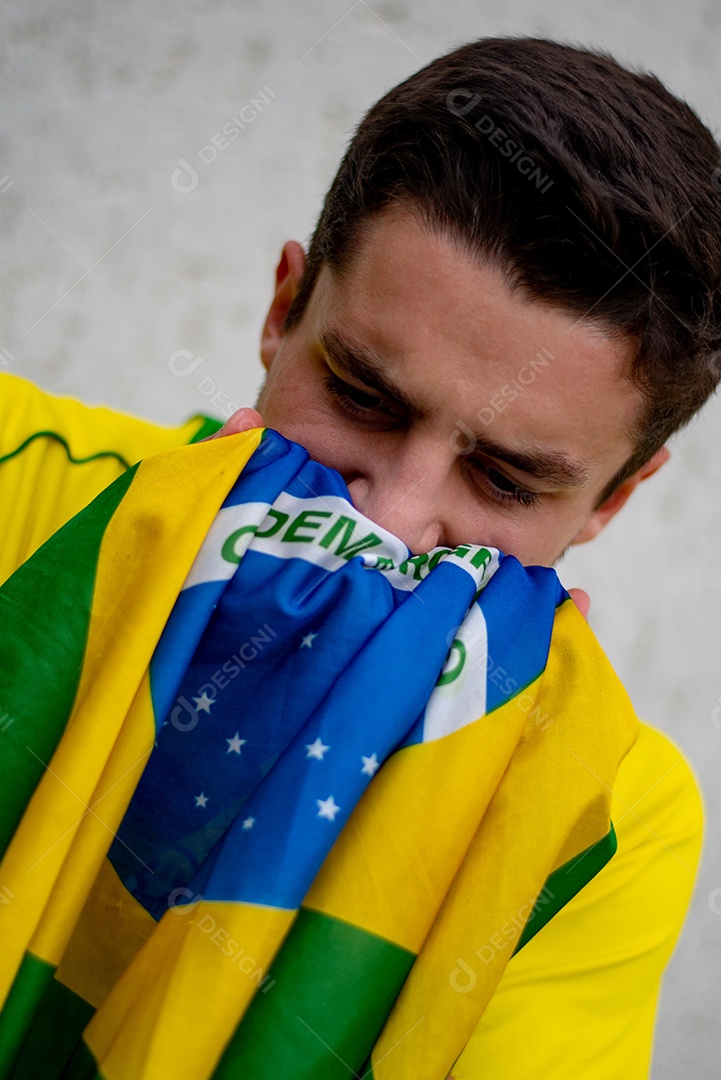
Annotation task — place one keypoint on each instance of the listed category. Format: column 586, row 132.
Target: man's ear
column 287, row 279
column 601, row 517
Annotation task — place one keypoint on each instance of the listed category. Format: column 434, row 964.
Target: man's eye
column 501, row 488
column 354, row 401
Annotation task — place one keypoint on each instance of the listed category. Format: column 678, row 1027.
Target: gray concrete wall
column 108, row 266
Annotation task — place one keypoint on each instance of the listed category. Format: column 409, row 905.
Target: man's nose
column 407, row 494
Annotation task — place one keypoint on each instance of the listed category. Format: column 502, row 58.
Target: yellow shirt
column 57, row 454
column 578, row 1002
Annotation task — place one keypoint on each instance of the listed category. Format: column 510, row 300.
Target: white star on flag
column 203, row 702
column 201, row 800
column 249, row 823
column 308, row 640
column 235, row 744
column 327, row 808
column 370, row 764
column 316, row 749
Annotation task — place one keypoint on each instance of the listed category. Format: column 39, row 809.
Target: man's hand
column 245, row 419
column 241, row 420
column 581, row 599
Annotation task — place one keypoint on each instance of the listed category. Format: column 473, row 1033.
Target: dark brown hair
column 592, row 187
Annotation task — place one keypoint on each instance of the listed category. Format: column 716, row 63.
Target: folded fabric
column 281, row 798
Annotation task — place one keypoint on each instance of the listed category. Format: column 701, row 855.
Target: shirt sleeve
column 579, row 1000
column 57, row 454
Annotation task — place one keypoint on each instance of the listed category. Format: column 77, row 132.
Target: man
column 509, row 304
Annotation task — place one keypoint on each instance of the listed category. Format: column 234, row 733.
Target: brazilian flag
column 281, row 798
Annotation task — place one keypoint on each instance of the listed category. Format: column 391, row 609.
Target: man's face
column 392, row 366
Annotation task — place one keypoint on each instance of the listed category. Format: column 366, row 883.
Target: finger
column 241, row 420
column 582, row 600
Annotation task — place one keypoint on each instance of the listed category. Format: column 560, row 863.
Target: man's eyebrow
column 549, row 466
column 361, row 362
